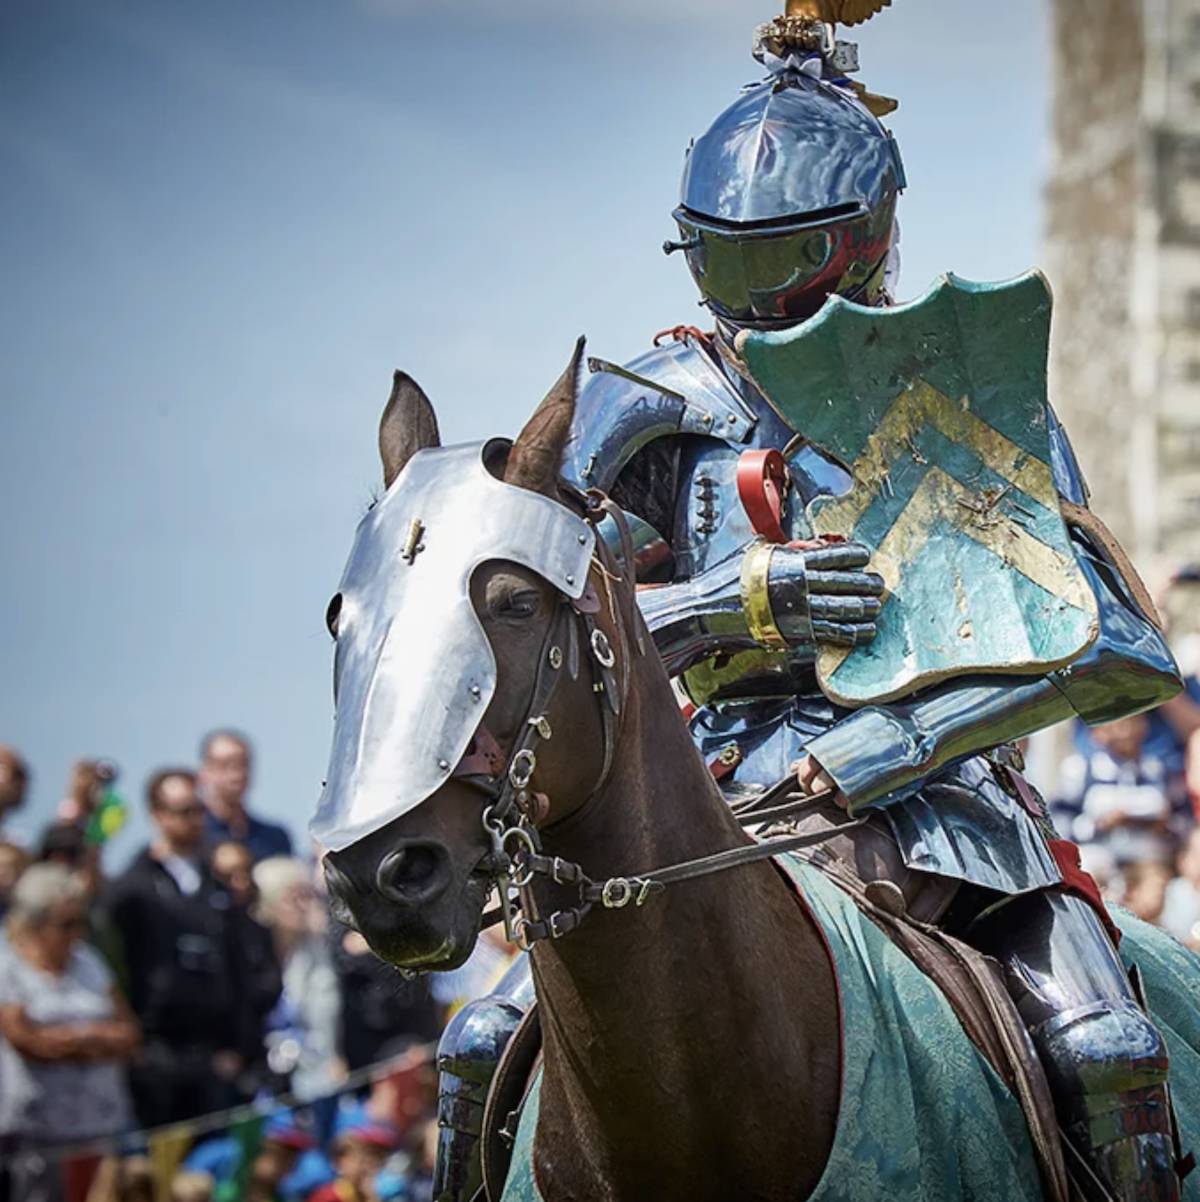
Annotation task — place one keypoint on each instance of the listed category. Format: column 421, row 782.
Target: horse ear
column 534, row 460
column 408, row 425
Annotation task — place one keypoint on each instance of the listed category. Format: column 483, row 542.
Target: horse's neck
column 691, row 1045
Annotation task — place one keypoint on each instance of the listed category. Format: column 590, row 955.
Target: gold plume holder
column 795, row 31
column 808, row 26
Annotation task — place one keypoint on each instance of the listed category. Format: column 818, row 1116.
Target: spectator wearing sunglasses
column 180, row 964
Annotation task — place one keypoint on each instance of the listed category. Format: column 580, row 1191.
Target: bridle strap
column 515, row 807
column 512, row 788
column 599, row 502
column 618, row 892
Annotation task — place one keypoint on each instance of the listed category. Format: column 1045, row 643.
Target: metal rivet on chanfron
column 583, row 540
column 444, row 765
column 476, row 692
column 570, row 579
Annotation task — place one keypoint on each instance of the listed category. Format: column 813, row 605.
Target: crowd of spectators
column 204, row 979
column 1128, row 793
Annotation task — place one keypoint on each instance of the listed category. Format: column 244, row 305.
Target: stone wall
column 1122, row 248
column 1091, row 207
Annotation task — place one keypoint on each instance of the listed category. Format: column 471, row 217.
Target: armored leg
column 1105, row 1060
column 468, row 1053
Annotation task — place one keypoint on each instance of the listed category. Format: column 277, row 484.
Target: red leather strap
column 726, row 763
column 762, row 480
column 682, row 334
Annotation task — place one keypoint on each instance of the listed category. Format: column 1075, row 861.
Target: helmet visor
column 782, row 272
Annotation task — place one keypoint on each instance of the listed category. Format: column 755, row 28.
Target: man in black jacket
column 180, row 964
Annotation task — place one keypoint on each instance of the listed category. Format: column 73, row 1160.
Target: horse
column 731, row 1028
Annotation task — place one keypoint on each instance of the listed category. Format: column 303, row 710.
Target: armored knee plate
column 468, row 1053
column 1105, row 1060
column 1108, row 1069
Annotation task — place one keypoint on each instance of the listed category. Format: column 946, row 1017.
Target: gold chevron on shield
column 941, row 498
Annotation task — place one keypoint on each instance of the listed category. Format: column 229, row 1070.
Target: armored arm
column 769, row 596
column 881, row 754
column 627, row 437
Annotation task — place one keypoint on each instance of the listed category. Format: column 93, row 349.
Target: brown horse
column 737, row 1034
column 692, row 1044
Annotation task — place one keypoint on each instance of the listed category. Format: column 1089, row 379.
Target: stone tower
column 1123, row 254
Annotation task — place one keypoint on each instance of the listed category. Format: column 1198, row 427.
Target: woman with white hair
column 302, row 1034
column 66, row 1031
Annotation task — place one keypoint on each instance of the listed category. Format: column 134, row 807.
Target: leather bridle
column 515, row 809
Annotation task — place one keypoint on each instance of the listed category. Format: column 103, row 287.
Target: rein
column 510, row 819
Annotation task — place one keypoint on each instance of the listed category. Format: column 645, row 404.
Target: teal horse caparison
column 923, row 1117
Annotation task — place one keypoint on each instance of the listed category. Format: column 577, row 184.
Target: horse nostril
column 414, row 873
column 339, row 889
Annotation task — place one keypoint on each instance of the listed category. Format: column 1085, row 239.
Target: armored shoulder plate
column 673, row 389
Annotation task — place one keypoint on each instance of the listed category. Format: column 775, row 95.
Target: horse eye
column 514, row 603
column 332, row 614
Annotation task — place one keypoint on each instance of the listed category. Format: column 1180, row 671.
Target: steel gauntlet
column 795, row 596
column 785, row 598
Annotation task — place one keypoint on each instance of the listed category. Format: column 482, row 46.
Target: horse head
column 465, row 624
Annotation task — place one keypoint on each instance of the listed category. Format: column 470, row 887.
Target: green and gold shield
column 938, row 409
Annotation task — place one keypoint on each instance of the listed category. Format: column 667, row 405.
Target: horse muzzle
column 408, row 902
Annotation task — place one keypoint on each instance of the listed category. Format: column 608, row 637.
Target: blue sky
column 223, row 224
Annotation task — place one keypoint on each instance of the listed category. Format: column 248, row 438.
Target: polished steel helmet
column 788, row 198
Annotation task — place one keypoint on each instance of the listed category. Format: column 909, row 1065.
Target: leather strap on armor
column 762, row 483
column 1084, row 519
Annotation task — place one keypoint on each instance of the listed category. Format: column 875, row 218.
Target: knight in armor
column 789, row 198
